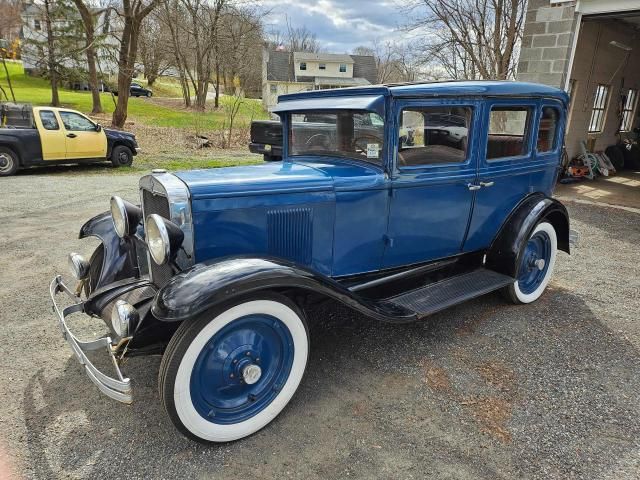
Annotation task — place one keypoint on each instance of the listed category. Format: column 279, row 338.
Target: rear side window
column 433, row 135
column 548, row 129
column 49, row 120
column 508, row 132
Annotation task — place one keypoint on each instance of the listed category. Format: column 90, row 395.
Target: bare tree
column 133, row 12
column 470, row 38
column 295, row 39
column 51, row 54
column 173, row 16
column 88, row 23
column 155, row 41
column 395, row 62
column 10, row 20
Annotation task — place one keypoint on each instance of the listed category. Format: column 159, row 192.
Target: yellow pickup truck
column 36, row 136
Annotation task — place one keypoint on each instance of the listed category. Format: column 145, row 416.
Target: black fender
column 504, row 254
column 119, row 259
column 209, row 284
column 116, row 137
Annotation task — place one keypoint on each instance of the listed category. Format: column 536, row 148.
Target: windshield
column 343, row 133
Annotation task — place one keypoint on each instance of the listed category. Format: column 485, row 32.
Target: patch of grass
column 159, row 111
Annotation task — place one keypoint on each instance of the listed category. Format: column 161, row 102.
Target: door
column 52, row 137
column 433, row 184
column 505, row 168
column 83, row 138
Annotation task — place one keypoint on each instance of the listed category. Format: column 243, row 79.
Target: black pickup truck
column 317, row 130
column 37, row 136
column 266, row 139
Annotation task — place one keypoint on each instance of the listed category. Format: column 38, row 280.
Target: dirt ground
column 484, row 390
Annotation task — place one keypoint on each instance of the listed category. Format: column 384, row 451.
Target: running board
column 450, row 291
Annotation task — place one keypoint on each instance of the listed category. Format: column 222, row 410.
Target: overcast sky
column 340, row 25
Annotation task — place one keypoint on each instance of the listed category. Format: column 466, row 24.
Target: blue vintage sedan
column 396, row 200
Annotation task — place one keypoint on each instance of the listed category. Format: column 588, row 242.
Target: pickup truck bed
column 266, row 139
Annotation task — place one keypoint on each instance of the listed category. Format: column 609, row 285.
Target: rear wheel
column 8, row 162
column 121, row 156
column 149, row 94
column 537, row 260
column 230, row 372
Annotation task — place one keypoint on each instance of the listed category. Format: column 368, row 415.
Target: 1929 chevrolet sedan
column 397, row 201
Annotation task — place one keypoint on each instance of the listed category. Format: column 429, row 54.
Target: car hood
column 275, row 177
column 118, row 133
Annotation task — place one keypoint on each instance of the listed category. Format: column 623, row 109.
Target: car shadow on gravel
column 482, row 390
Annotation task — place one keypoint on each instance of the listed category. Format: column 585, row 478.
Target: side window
column 433, row 135
column 508, row 132
column 49, row 120
column 548, row 130
column 75, row 122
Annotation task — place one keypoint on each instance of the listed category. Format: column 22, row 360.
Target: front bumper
column 117, row 388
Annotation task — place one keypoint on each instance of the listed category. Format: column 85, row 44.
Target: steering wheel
column 318, row 140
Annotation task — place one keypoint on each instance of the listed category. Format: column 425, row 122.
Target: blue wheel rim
column 530, row 275
column 219, row 392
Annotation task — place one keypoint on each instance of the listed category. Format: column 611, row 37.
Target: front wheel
column 536, row 263
column 229, row 373
column 121, row 156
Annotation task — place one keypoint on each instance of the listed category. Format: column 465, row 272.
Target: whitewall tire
column 227, row 374
column 536, row 264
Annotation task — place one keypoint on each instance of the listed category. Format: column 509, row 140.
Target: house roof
column 322, row 57
column 281, row 65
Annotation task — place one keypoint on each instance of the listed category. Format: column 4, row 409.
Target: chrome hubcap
column 251, row 374
column 6, row 162
column 540, row 263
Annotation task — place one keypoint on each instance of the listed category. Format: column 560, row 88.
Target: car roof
column 451, row 88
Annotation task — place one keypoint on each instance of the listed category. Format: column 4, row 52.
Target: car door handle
column 473, row 187
column 71, row 135
column 486, row 184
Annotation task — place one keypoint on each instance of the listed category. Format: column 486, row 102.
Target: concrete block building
column 591, row 48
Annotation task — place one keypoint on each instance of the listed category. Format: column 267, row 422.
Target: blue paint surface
column 218, row 392
column 342, row 216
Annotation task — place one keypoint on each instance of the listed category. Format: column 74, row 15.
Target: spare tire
column 631, row 156
column 614, row 152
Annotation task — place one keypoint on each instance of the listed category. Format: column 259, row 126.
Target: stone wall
column 546, row 43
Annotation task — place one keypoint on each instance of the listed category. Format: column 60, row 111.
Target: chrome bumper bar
column 117, row 388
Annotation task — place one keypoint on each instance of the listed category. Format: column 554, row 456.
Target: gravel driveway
column 485, row 390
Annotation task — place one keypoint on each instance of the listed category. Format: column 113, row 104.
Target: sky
column 339, row 25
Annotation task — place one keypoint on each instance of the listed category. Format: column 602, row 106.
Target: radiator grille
column 158, row 204
column 290, row 234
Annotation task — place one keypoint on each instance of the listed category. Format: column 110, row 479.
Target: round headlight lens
column 119, row 216
column 124, row 318
column 79, row 266
column 157, row 239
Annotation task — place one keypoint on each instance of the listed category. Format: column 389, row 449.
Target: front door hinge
column 388, row 241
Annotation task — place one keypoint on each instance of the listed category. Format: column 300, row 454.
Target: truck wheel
column 149, row 94
column 8, row 162
column 121, row 156
column 537, row 260
column 230, row 372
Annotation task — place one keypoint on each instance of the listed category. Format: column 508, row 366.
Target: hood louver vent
column 290, row 234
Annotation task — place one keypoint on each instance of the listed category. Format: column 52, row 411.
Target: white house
column 34, row 29
column 290, row 72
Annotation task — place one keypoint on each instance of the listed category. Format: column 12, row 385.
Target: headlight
column 79, row 266
column 163, row 238
column 125, row 216
column 124, row 318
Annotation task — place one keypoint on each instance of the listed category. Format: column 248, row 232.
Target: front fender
column 504, row 253
column 206, row 285
column 118, row 260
